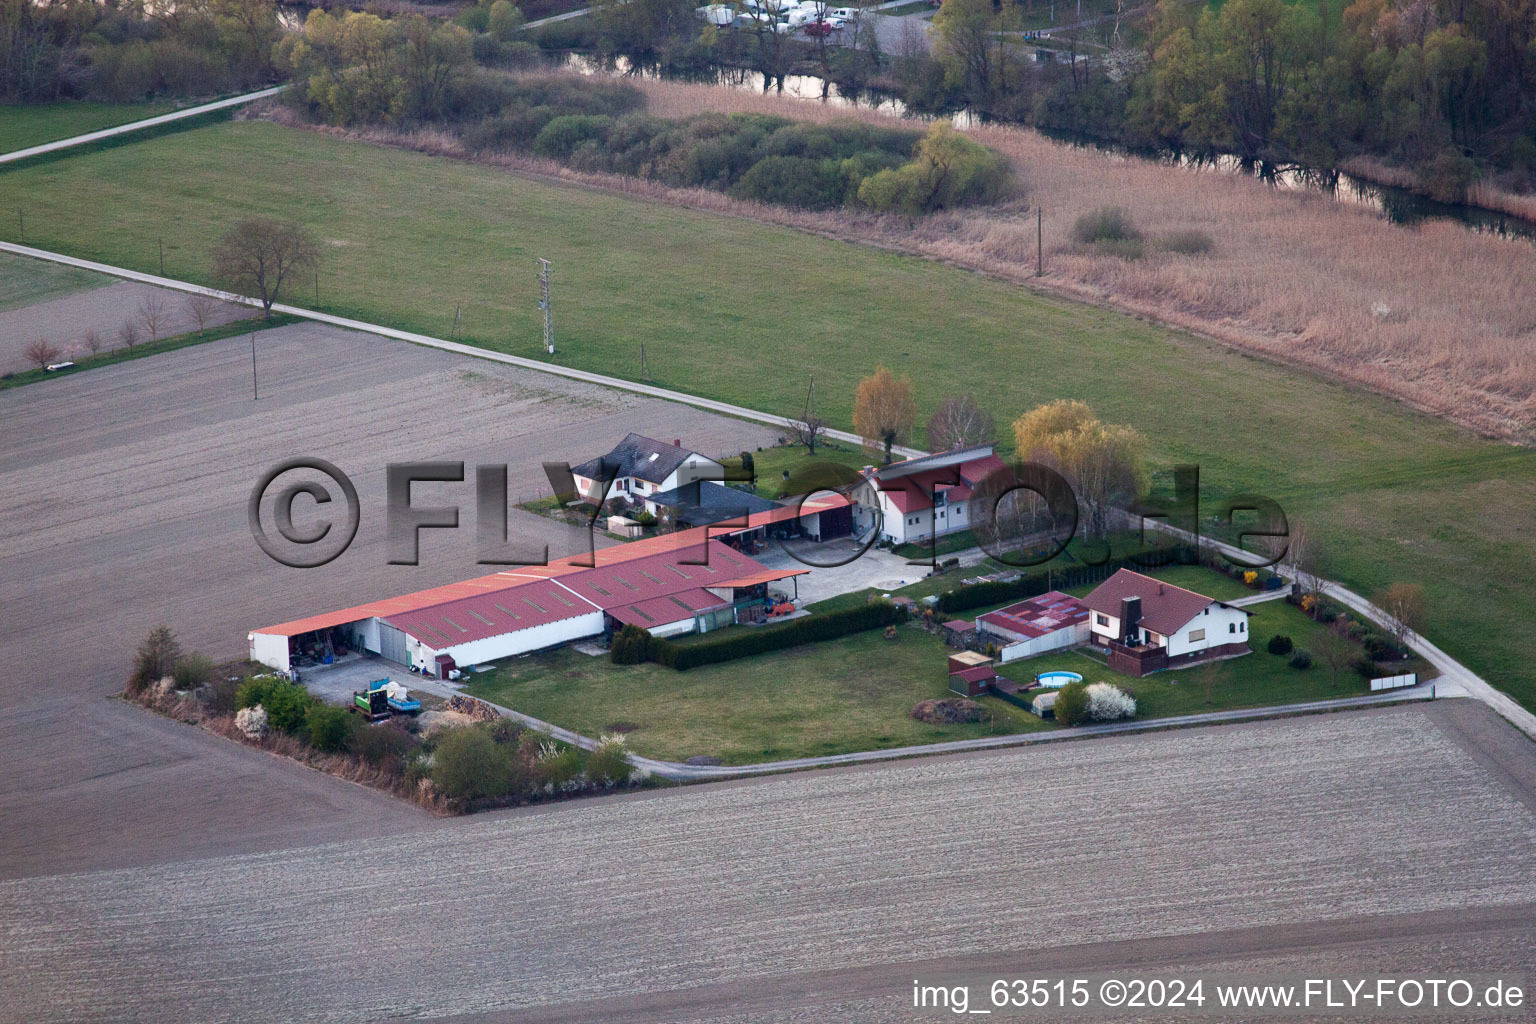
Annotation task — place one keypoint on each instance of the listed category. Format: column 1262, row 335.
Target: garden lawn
column 22, row 127
column 852, row 693
column 1392, row 495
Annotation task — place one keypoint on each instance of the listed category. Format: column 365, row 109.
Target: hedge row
column 977, row 595
column 744, row 643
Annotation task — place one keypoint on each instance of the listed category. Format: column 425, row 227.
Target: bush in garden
column 1280, row 644
column 1364, row 667
column 469, row 765
column 287, row 703
column 608, row 763
column 192, row 671
column 252, row 722
column 1301, row 659
column 631, row 646
column 1072, row 704
column 559, row 768
column 222, row 696
column 1109, row 703
column 506, row 730
column 1250, row 577
column 330, row 728
column 379, row 744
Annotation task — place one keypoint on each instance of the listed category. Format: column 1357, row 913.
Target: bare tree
column 958, row 422
column 1304, row 560
column 93, row 341
column 1406, row 609
column 258, row 254
column 201, row 309
column 811, row 425
column 153, row 315
column 128, row 334
column 1335, row 651
column 42, row 353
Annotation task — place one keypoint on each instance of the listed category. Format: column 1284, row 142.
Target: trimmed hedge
column 744, row 643
column 977, row 595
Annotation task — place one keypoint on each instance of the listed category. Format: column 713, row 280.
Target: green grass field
column 745, row 312
column 24, row 126
column 25, row 282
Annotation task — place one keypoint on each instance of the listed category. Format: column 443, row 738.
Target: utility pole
column 644, row 372
column 1039, row 242
column 549, row 314
column 255, row 393
column 160, row 241
column 317, row 287
column 458, row 315
column 21, row 226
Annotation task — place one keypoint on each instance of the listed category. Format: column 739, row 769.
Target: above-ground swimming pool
column 1056, row 680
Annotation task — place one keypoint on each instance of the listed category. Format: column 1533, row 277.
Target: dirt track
column 122, row 504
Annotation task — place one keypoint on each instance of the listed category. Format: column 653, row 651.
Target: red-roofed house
column 667, row 585
column 923, row 497
column 1049, row 622
column 1148, row 625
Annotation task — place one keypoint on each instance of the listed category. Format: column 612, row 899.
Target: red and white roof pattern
column 1039, row 616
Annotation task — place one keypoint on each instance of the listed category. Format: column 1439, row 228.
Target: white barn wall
column 271, row 649
column 507, row 645
column 1215, row 624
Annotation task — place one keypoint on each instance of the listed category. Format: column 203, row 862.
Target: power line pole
column 1039, row 242
column 644, row 372
column 549, row 313
column 458, row 314
column 161, row 243
column 255, row 392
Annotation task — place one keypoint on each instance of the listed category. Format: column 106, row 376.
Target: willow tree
column 1105, row 462
column 884, row 411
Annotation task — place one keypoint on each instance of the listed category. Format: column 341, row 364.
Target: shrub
column 1188, row 243
column 252, row 722
column 559, row 767
column 1301, row 659
column 608, row 763
column 330, row 727
column 469, row 765
column 506, row 730
column 155, row 659
column 192, row 671
column 222, row 696
column 1280, row 644
column 631, row 645
column 793, row 181
column 1108, row 703
column 565, row 134
column 1250, row 578
column 287, row 703
column 1364, row 667
column 1072, row 704
column 379, row 744
column 1106, row 224
column 646, row 519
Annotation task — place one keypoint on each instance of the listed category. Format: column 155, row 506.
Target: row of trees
column 79, row 48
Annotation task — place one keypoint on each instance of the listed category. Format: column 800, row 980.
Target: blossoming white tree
column 1108, row 703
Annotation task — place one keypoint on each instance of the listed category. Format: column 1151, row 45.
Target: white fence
column 1395, row 682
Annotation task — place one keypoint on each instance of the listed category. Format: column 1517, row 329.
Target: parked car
column 820, row 29
column 846, row 13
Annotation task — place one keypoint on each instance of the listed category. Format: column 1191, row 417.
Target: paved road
column 1410, row 829
column 150, row 122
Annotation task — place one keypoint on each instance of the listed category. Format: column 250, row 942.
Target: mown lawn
column 853, row 693
column 1394, row 495
column 33, row 125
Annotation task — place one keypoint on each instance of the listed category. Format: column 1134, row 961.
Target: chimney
column 1159, row 590
column 677, row 442
column 1130, row 619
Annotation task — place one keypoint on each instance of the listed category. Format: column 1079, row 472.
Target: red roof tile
column 1165, row 608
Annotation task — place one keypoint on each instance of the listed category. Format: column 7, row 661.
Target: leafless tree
column 153, row 315
column 958, row 422
column 1304, row 560
column 259, row 254
column 1209, row 676
column 93, row 341
column 128, row 334
column 1335, row 651
column 811, row 425
column 1406, row 609
column 42, row 353
column 201, row 309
